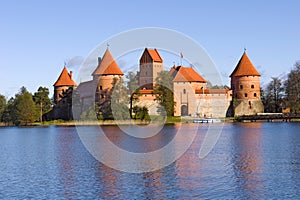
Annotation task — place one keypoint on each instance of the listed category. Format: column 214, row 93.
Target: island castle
column 191, row 94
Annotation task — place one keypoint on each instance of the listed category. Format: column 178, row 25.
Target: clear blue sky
column 37, row 37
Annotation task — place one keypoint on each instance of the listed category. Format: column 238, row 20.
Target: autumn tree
column 292, row 88
column 41, row 98
column 164, row 93
column 273, row 96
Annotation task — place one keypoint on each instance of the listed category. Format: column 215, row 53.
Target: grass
column 170, row 119
column 154, row 118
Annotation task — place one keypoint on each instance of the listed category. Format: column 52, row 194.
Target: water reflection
column 66, row 159
column 250, row 161
column 152, row 187
column 109, row 182
column 247, row 159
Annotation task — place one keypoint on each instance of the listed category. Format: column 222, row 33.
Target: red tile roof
column 185, row 74
column 245, row 67
column 212, row 91
column 65, row 79
column 146, row 91
column 154, row 55
column 108, row 66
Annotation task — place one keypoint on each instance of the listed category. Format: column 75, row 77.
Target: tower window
column 100, row 87
column 246, row 95
column 255, row 95
column 184, row 91
column 241, row 87
column 252, row 86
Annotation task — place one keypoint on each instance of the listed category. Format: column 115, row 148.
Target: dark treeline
column 283, row 94
column 25, row 108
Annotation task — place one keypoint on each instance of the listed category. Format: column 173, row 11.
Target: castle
column 191, row 94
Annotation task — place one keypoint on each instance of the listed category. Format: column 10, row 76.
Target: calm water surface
column 250, row 161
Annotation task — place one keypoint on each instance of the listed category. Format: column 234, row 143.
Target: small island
column 179, row 94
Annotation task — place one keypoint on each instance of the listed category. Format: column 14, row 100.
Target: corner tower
column 104, row 75
column 63, row 82
column 151, row 64
column 245, row 85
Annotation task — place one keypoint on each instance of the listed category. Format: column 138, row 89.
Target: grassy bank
column 154, row 119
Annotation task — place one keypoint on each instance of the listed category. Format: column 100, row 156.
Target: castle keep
column 245, row 85
column 191, row 94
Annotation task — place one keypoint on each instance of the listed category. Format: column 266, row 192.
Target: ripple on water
column 250, row 161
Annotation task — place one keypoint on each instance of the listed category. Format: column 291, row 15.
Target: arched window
column 255, row 95
column 241, row 87
column 246, row 95
column 252, row 86
column 184, row 91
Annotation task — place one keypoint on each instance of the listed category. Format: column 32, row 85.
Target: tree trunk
column 130, row 112
column 41, row 112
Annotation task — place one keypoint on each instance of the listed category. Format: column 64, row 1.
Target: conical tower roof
column 245, row 67
column 65, row 79
column 107, row 66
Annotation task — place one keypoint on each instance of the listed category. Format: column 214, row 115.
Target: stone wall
column 213, row 105
column 246, row 107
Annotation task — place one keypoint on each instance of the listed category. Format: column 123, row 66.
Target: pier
column 269, row 117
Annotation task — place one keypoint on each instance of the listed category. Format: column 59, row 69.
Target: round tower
column 104, row 75
column 63, row 83
column 245, row 85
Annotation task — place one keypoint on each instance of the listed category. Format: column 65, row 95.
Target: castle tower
column 104, row 74
column 63, row 82
column 245, row 85
column 151, row 64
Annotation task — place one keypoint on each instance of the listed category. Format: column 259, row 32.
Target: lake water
column 249, row 161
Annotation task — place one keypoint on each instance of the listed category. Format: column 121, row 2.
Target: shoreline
column 132, row 122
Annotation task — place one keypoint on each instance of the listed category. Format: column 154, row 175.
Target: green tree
column 76, row 105
column 89, row 114
column 133, row 90
column 164, row 93
column 25, row 108
column 119, row 100
column 273, row 96
column 292, row 88
column 114, row 104
column 41, row 97
column 9, row 114
column 142, row 113
column 2, row 106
